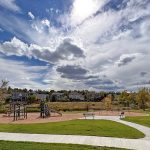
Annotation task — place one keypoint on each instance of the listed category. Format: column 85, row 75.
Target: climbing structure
column 17, row 110
column 45, row 111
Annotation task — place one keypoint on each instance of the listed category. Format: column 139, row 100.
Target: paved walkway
column 138, row 144
column 141, row 128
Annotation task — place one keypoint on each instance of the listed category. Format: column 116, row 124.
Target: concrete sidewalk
column 141, row 128
column 138, row 144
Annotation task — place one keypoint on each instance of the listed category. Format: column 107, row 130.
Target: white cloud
column 125, row 59
column 29, row 31
column 1, row 30
column 64, row 52
column 14, row 47
column 99, row 26
column 10, row 4
column 46, row 22
column 21, row 75
column 31, row 15
column 81, row 10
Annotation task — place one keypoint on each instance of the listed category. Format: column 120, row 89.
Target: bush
column 31, row 99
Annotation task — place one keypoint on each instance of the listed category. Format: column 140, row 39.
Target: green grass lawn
column 76, row 127
column 143, row 120
column 7, row 145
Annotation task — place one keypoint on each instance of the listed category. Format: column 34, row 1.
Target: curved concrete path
column 138, row 144
column 141, row 128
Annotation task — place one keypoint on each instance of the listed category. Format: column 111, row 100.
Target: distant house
column 19, row 96
column 76, row 96
column 57, row 96
column 42, row 96
column 92, row 96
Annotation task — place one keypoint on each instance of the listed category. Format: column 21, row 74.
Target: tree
column 142, row 97
column 108, row 102
column 126, row 99
column 31, row 99
column 3, row 87
column 9, row 90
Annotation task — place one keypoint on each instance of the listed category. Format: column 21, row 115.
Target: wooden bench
column 87, row 114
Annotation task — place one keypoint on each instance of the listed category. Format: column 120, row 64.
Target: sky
column 101, row 45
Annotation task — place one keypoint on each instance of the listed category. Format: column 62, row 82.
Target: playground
column 17, row 112
column 97, row 128
column 102, row 131
column 61, row 126
column 55, row 117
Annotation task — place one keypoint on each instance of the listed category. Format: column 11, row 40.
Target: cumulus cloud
column 99, row 82
column 72, row 72
column 68, row 48
column 126, row 59
column 14, row 47
column 105, row 84
column 65, row 51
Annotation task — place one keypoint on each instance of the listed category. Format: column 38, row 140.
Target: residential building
column 76, row 96
column 19, row 96
column 42, row 96
column 57, row 96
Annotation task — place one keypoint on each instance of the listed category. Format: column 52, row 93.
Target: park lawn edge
column 54, row 145
column 141, row 120
column 101, row 128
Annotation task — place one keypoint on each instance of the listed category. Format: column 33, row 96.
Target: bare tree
column 4, row 84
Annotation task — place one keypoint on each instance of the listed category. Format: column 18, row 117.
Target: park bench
column 87, row 114
column 122, row 115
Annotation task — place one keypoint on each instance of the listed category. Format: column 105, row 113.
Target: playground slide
column 55, row 111
column 49, row 111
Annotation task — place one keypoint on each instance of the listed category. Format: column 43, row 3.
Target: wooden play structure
column 17, row 106
column 17, row 110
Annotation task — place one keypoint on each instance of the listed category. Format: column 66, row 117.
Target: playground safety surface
column 35, row 117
